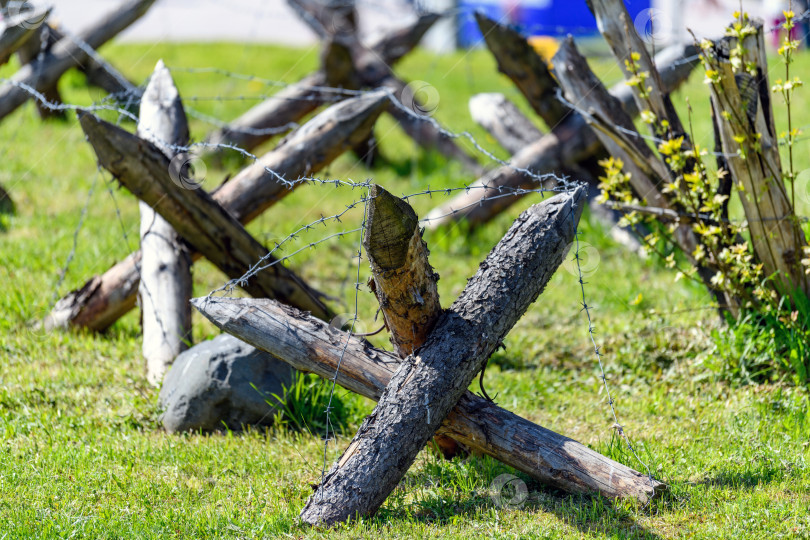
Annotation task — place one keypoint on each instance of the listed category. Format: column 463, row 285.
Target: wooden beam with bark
column 504, row 121
column 518, row 60
column 202, row 222
column 283, row 110
column 18, row 29
column 105, row 298
column 403, row 280
column 568, row 144
column 165, row 288
column 312, row 346
column 43, row 72
column 427, row 386
column 750, row 143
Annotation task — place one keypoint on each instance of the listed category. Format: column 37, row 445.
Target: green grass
column 81, row 450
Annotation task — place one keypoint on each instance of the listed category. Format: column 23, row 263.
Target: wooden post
column 571, row 142
column 45, row 72
column 105, row 298
column 310, row 345
column 143, row 169
column 504, row 121
column 165, row 288
column 428, row 385
column 404, row 281
column 518, row 60
column 751, row 146
column 18, row 30
column 294, row 102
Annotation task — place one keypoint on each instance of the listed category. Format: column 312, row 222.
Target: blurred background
column 273, row 21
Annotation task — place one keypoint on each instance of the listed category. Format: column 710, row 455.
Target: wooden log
column 105, row 298
column 202, row 222
column 166, row 286
column 336, row 19
column 18, row 29
column 37, row 47
column 569, row 143
column 404, row 281
column 617, row 27
column 504, row 121
column 518, row 60
column 294, row 102
column 751, row 146
column 44, row 72
column 427, row 386
column 312, row 346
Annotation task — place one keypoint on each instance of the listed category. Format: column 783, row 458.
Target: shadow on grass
column 591, row 515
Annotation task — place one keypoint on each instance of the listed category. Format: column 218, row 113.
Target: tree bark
column 427, row 386
column 294, row 102
column 166, row 286
column 106, row 298
column 18, row 30
column 310, row 345
column 504, row 121
column 43, row 73
column 571, row 142
column 143, row 169
column 404, row 281
column 518, row 60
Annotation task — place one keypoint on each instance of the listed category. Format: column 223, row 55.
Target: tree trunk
column 427, row 386
column 106, row 298
column 43, row 73
column 571, row 142
column 518, row 60
column 280, row 112
column 504, row 121
column 18, row 30
column 195, row 215
column 166, row 286
column 310, row 345
column 404, row 281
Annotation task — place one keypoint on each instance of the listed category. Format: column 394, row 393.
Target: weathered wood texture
column 619, row 31
column 776, row 235
column 165, row 288
column 43, row 72
column 612, row 125
column 428, row 385
column 568, row 144
column 518, row 60
column 404, row 281
column 294, row 102
column 104, row 299
column 202, row 222
column 19, row 29
column 310, row 345
column 504, row 121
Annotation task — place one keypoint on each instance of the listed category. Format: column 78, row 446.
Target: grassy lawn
column 82, row 453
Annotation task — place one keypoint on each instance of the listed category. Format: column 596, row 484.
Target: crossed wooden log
column 46, row 54
column 105, row 298
column 570, row 142
column 424, row 391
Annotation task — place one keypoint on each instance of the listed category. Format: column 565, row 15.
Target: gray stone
column 219, row 383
